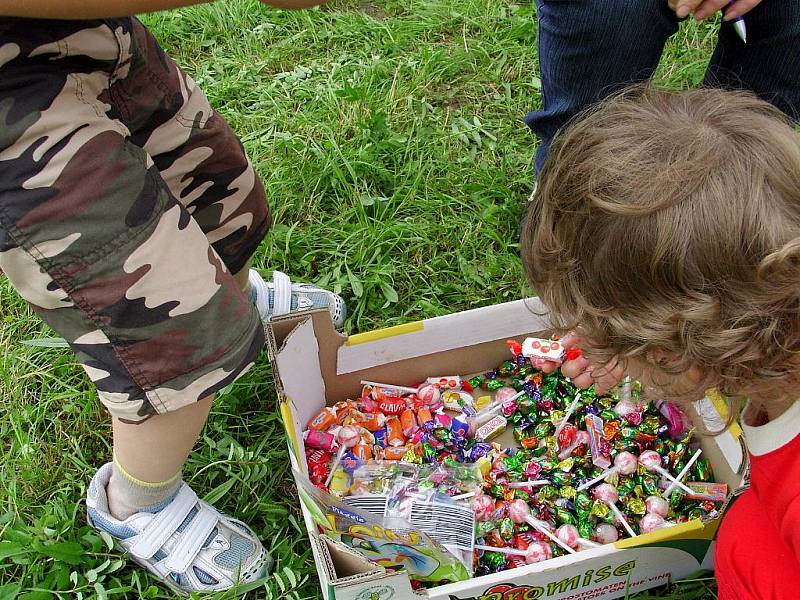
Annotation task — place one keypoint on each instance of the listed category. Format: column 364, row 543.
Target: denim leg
column 590, row 48
column 769, row 64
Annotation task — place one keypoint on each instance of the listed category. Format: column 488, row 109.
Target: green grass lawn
column 390, row 141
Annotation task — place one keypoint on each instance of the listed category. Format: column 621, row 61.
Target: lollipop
column 671, row 487
column 535, row 552
column 428, row 392
column 607, row 494
column 656, row 505
column 520, row 512
column 504, row 394
column 348, row 436
column 606, row 533
column 625, row 463
column 569, row 535
column 573, row 405
column 525, row 484
column 651, row 460
column 483, row 507
column 581, row 439
column 651, row 522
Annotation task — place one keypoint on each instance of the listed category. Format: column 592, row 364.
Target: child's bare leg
column 149, row 457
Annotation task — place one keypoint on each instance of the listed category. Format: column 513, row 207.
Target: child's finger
column 547, row 366
column 685, row 7
column 573, row 368
column 708, row 8
column 605, row 382
column 584, row 380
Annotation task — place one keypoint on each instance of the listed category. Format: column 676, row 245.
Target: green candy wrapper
column 702, row 469
column 477, row 381
column 484, row 528
column 636, row 506
column 507, row 369
column 585, row 529
column 563, row 516
column 506, row 529
column 608, row 415
column 494, row 560
column 495, row 384
column 600, row 509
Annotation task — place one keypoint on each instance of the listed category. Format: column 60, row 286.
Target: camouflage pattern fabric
column 126, row 203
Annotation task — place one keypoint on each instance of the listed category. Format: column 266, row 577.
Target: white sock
column 128, row 495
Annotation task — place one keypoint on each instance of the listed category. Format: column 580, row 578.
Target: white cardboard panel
column 728, row 445
column 298, row 365
column 439, row 334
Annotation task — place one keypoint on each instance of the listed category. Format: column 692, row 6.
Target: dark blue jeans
column 591, row 48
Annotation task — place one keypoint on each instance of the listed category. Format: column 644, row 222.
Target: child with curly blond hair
column 665, row 231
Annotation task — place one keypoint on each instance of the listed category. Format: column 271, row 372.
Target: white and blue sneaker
column 280, row 296
column 184, row 541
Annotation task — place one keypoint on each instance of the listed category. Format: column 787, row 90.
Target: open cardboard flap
column 315, row 365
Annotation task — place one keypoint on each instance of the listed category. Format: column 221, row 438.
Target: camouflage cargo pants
column 126, row 203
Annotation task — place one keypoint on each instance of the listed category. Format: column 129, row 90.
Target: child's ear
column 695, row 374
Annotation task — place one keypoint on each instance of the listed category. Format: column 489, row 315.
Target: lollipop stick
column 568, row 414
column 588, row 543
column 671, row 487
column 665, row 474
column 537, row 525
column 335, row 464
column 401, row 388
column 621, row 518
column 494, row 407
column 510, row 551
column 463, row 496
column 603, row 475
column 524, row 484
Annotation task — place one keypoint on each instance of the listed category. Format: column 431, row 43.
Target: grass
column 390, row 141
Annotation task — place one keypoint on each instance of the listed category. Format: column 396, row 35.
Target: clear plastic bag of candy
column 392, row 545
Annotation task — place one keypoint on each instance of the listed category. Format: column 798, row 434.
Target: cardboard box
column 314, row 365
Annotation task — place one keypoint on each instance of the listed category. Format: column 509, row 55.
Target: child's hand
column 581, row 371
column 703, row 9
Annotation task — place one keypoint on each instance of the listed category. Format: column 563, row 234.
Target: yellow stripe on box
column 288, row 423
column 691, row 530
column 387, row 332
column 722, row 408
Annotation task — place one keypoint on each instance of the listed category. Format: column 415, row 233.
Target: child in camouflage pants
column 128, row 216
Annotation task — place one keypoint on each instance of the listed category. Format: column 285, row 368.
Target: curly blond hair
column 667, row 226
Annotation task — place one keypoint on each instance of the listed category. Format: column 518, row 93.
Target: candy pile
column 581, row 470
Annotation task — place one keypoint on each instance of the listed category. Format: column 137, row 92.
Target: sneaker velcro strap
column 144, row 545
column 192, row 538
column 282, row 299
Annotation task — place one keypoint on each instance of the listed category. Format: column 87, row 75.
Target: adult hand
column 581, row 371
column 703, row 9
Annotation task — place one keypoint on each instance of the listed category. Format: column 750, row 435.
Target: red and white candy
column 657, row 505
column 483, row 506
column 652, row 522
column 569, row 535
column 606, row 533
column 543, row 349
